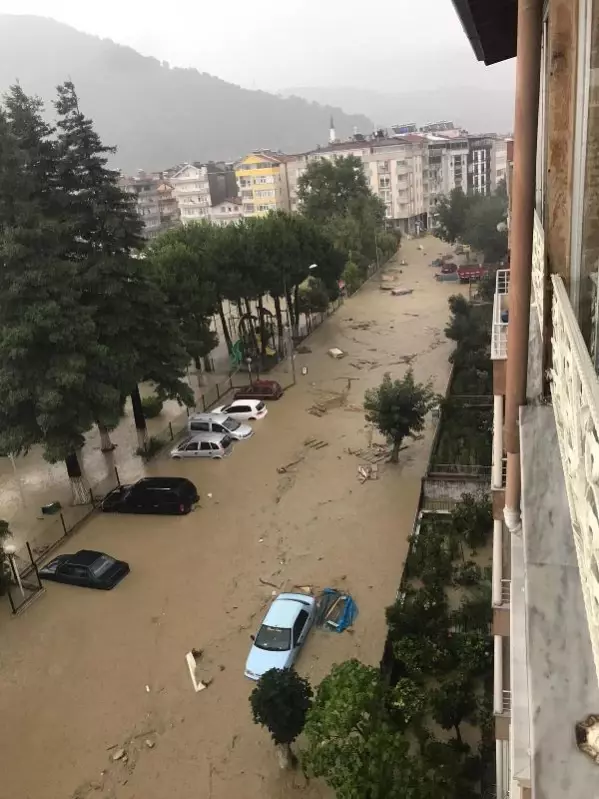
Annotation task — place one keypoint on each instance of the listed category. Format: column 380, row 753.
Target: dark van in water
column 174, row 495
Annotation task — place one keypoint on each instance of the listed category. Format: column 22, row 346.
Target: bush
column 467, row 574
column 152, row 447
column 353, row 277
column 152, row 406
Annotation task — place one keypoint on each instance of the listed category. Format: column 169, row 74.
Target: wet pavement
column 84, row 671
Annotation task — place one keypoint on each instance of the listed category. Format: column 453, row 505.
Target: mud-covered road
column 75, row 666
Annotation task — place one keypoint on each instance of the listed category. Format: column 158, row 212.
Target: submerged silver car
column 208, row 445
column 203, row 423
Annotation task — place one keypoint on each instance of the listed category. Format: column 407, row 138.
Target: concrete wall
column 452, row 487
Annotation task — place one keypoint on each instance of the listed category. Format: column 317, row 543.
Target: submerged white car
column 244, row 410
column 281, row 634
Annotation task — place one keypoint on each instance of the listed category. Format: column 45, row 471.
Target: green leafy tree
column 408, row 700
column 280, row 702
column 185, row 273
column 452, row 216
column 454, row 702
column 398, row 408
column 353, row 277
column 352, row 743
column 485, row 229
column 336, row 194
column 472, row 520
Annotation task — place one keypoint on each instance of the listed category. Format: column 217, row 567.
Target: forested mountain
column 157, row 115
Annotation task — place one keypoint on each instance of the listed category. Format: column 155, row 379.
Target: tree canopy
column 398, row 408
column 477, row 220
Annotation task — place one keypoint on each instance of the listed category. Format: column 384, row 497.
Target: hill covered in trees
column 157, row 115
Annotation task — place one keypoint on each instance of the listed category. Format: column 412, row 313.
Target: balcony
column 500, row 316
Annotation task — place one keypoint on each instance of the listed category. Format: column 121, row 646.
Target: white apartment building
column 191, row 189
column 227, row 212
column 396, row 171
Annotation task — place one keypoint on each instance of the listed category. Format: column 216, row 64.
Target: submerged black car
column 87, row 568
column 175, row 495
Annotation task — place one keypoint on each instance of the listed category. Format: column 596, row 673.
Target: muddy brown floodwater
column 75, row 666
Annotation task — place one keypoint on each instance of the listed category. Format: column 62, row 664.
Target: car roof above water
column 214, row 438
column 283, row 611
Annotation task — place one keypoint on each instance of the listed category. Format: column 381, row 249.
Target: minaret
column 332, row 135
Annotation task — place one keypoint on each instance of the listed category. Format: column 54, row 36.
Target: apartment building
column 447, row 168
column 154, row 202
column 546, row 398
column 191, row 190
column 226, row 212
column 396, row 170
column 262, row 182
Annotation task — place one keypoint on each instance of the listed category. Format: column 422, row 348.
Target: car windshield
column 226, row 442
column 275, row 639
column 259, row 406
column 102, row 565
column 230, row 424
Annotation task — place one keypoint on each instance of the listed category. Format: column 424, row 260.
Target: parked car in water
column 208, row 445
column 87, row 568
column 281, row 634
column 218, row 423
column 260, row 389
column 246, row 410
column 175, row 495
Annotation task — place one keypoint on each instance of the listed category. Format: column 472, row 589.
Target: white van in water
column 208, row 422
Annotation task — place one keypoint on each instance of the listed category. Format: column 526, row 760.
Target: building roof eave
column 491, row 27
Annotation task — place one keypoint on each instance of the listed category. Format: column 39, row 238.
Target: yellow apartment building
column 262, row 181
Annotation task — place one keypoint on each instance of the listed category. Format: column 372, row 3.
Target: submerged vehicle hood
column 261, row 660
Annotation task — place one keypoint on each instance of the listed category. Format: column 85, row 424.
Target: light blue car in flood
column 281, row 634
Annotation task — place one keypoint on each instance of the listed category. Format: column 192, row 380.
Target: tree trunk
column 458, row 734
column 285, row 756
column 290, row 313
column 106, row 444
column 296, row 312
column 207, row 363
column 225, row 326
column 395, row 451
column 79, row 486
column 140, row 421
column 248, row 307
column 262, row 329
column 279, row 316
column 199, row 371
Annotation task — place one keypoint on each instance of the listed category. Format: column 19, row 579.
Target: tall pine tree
column 48, row 340
column 134, row 323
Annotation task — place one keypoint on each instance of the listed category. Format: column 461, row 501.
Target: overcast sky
column 393, row 45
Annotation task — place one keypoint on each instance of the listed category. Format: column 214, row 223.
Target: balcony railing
column 500, row 314
column 507, row 701
column 506, row 591
column 575, row 393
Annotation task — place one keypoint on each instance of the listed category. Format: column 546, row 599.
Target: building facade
column 545, row 582
column 262, row 183
column 191, row 189
column 396, row 170
column 154, row 202
column 226, row 212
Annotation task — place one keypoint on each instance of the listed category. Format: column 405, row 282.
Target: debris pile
column 370, row 472
column 373, row 455
column 315, row 443
column 336, row 353
column 336, row 610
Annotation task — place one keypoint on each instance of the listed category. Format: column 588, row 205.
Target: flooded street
column 83, row 673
